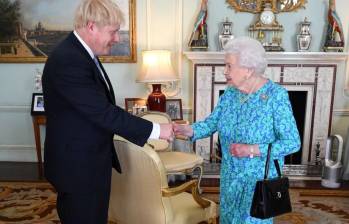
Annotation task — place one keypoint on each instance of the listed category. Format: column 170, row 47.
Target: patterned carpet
column 28, row 203
column 311, row 206
column 24, row 203
column 317, row 207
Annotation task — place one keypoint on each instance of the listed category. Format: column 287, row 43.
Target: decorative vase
column 304, row 37
column 334, row 41
column 225, row 34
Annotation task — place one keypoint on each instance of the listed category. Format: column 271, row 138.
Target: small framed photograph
column 174, row 109
column 37, row 107
column 136, row 105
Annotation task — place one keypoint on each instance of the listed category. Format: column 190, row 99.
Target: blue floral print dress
column 263, row 117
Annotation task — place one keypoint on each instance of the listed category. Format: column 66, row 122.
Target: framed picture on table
column 136, row 106
column 37, row 106
column 174, row 109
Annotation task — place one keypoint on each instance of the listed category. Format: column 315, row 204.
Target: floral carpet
column 317, row 207
column 312, row 206
column 27, row 203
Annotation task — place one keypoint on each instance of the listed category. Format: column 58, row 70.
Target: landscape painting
column 30, row 29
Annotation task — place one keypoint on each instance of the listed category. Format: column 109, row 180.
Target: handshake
column 174, row 130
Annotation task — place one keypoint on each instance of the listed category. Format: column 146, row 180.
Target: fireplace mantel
column 275, row 57
column 311, row 72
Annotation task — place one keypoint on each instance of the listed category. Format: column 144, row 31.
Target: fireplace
column 298, row 101
column 311, row 86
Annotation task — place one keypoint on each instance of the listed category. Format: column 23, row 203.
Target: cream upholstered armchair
column 141, row 194
column 174, row 160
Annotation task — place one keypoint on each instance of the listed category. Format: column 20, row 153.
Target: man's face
column 103, row 38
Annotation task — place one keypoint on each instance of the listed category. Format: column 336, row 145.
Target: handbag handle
column 276, row 163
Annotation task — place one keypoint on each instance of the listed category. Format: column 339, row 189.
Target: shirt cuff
column 155, row 133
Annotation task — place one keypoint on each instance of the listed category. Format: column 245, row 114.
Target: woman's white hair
column 250, row 53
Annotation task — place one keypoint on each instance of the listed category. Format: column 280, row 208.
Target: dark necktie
column 105, row 79
column 101, row 71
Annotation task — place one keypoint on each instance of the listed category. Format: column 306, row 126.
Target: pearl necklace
column 243, row 99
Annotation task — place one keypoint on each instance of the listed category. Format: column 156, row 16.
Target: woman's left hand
column 243, row 150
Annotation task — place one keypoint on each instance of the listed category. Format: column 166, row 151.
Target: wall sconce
column 156, row 69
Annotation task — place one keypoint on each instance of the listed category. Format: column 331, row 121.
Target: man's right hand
column 166, row 132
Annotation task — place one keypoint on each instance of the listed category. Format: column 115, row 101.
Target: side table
column 37, row 121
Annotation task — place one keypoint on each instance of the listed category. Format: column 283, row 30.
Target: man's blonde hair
column 102, row 12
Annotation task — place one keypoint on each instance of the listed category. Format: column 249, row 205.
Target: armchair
column 141, row 194
column 173, row 160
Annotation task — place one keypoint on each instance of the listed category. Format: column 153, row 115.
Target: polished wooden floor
column 27, row 171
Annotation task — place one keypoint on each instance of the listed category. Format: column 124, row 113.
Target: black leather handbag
column 271, row 197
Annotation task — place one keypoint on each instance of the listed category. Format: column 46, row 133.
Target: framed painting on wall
column 30, row 29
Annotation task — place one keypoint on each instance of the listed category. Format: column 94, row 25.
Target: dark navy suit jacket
column 81, row 120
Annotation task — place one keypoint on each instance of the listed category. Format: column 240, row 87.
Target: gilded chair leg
column 199, row 177
column 212, row 220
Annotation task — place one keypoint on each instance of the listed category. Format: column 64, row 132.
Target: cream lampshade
column 156, row 69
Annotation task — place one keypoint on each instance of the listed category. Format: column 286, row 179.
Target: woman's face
column 234, row 73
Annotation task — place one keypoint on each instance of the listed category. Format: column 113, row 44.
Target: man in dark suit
column 82, row 117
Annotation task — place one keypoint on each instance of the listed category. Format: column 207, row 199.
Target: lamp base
column 156, row 99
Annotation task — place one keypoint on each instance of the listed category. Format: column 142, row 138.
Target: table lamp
column 156, row 69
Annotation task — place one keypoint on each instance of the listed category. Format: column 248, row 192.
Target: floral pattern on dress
column 265, row 117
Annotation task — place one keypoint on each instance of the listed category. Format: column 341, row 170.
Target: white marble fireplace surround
column 312, row 72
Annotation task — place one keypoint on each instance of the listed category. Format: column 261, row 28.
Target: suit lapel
column 110, row 91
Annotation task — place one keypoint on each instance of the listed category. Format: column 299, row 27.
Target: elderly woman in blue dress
column 252, row 113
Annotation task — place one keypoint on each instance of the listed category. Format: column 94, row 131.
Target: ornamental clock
column 267, row 17
column 267, row 29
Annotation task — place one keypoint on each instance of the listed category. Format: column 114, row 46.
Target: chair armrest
column 190, row 185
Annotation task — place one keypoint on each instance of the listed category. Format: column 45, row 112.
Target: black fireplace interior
column 298, row 101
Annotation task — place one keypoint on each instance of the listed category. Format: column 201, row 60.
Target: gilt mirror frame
column 256, row 6
column 32, row 26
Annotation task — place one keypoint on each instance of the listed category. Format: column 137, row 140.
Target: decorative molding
column 276, row 57
column 148, row 23
column 171, row 89
column 179, row 46
column 341, row 112
column 18, row 153
column 25, row 109
column 187, row 110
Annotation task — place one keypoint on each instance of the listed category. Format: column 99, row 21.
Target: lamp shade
column 156, row 67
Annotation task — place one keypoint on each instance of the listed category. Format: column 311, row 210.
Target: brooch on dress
column 264, row 97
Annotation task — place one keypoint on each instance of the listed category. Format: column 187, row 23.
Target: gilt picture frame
column 32, row 33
